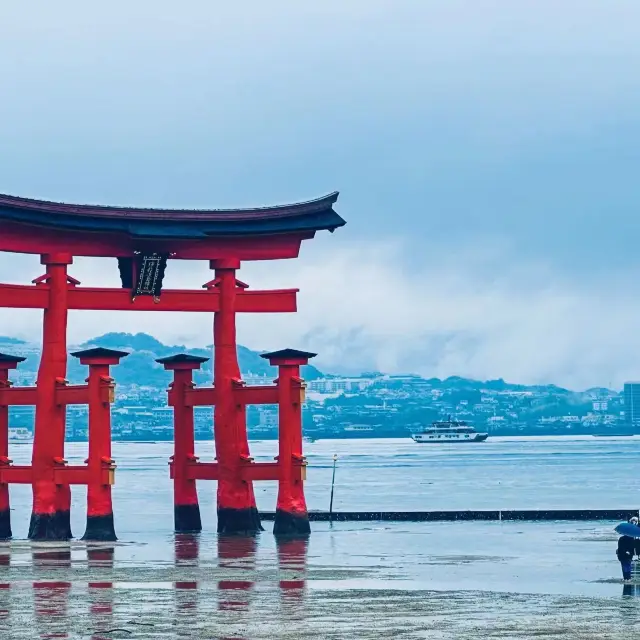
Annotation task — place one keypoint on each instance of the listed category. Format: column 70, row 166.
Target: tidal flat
column 349, row 580
column 411, row 580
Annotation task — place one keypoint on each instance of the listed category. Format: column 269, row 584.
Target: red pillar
column 186, row 510
column 101, row 466
column 6, row 362
column 291, row 518
column 237, row 512
column 50, row 518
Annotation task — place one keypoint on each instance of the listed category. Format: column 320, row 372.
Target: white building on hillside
column 335, row 385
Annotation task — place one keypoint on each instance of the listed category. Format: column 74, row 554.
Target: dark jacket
column 626, row 548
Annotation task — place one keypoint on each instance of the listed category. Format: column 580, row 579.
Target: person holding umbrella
column 627, row 545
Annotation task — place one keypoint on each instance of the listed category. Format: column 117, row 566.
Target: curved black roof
column 313, row 215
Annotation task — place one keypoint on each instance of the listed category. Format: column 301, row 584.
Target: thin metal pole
column 333, row 482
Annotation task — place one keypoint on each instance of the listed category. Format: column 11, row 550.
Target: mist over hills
column 371, row 405
column 140, row 366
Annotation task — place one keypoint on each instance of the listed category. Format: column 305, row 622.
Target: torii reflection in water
column 100, row 560
column 233, row 553
column 186, row 554
column 5, row 593
column 237, row 559
column 51, row 597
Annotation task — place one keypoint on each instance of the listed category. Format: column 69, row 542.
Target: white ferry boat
column 449, row 431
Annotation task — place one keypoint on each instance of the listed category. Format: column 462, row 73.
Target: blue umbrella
column 628, row 529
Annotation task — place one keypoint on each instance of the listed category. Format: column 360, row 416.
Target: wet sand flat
column 350, row 580
column 414, row 580
column 269, row 611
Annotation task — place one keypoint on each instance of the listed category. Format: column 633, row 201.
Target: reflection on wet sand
column 238, row 603
column 186, row 554
column 632, row 590
column 51, row 597
column 250, row 588
column 5, row 596
column 236, row 554
column 69, row 594
column 100, row 559
column 292, row 564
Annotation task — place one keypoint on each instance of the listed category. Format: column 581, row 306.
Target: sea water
column 362, row 579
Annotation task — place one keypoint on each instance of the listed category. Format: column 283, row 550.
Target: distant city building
column 600, row 405
column 269, row 418
column 256, row 380
column 632, row 404
column 332, row 385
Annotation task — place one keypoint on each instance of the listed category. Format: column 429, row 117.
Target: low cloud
column 463, row 312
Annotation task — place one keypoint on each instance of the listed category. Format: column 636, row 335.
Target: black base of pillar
column 291, row 524
column 64, row 524
column 47, row 526
column 186, row 518
column 5, row 525
column 100, row 529
column 239, row 522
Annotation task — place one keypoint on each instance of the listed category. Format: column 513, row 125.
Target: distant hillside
column 140, row 366
column 10, row 340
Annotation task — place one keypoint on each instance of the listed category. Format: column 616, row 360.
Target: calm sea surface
column 370, row 580
column 502, row 473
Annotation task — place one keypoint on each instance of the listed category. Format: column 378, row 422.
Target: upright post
column 186, row 510
column 50, row 518
column 101, row 466
column 237, row 511
column 291, row 511
column 6, row 362
column 333, row 482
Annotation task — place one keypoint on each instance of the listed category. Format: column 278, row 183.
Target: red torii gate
column 143, row 241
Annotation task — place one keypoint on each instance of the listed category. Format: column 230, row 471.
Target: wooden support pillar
column 186, row 510
column 50, row 517
column 291, row 517
column 237, row 511
column 7, row 362
column 100, row 526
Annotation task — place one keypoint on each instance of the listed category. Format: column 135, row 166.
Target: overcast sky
column 486, row 151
